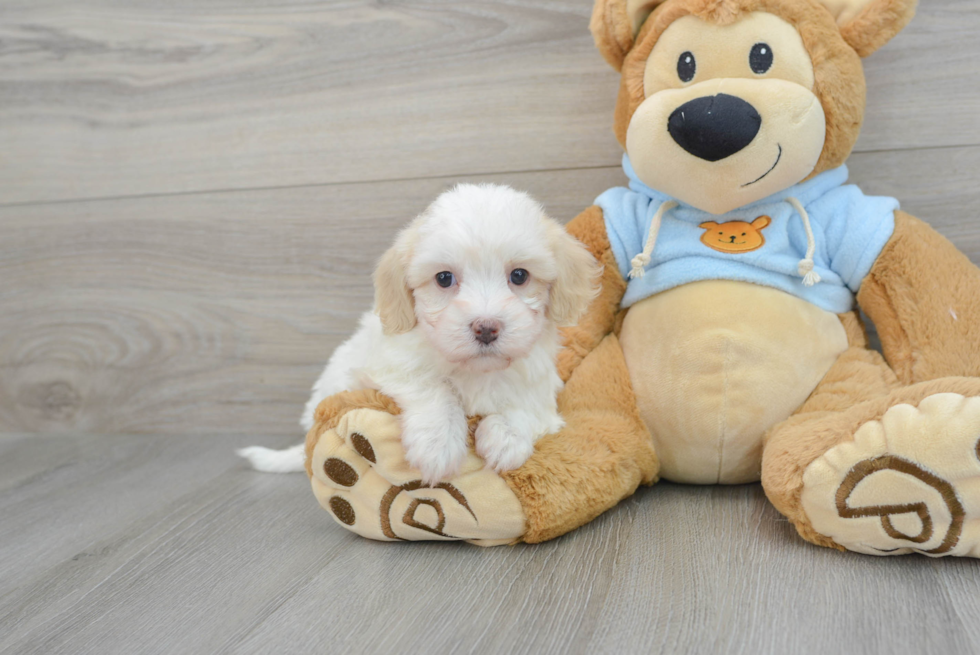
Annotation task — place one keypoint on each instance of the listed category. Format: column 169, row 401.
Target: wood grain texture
column 115, row 97
column 189, row 214
column 213, row 313
column 208, row 557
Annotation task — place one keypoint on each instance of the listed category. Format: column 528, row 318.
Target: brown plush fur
column 877, row 24
column 590, row 228
column 922, row 295
column 602, row 456
column 838, row 76
column 860, row 388
column 857, row 335
column 612, row 31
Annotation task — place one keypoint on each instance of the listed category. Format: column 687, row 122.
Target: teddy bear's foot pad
column 909, row 482
column 361, row 478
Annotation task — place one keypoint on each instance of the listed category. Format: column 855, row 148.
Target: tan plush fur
column 612, row 30
column 590, row 228
column 602, row 456
column 877, row 23
column 839, row 78
column 861, row 389
column 922, row 296
column 917, row 270
column 331, row 410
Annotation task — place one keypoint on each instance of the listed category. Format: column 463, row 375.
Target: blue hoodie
column 850, row 230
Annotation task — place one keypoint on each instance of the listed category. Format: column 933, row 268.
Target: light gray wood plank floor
column 165, row 544
column 192, row 195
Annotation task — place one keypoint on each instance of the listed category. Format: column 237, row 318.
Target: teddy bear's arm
column 589, row 227
column 923, row 295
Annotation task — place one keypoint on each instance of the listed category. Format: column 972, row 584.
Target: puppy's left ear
column 576, row 284
column 866, row 25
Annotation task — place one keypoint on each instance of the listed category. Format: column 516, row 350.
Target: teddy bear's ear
column 615, row 24
column 866, row 25
column 707, row 225
column 761, row 222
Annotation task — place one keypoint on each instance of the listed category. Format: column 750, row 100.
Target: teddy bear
column 725, row 346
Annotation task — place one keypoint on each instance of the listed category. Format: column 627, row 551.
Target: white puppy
column 468, row 303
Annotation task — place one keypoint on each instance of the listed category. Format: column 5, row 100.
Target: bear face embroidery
column 735, row 236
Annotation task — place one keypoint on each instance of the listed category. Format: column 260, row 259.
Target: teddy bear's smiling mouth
column 771, row 169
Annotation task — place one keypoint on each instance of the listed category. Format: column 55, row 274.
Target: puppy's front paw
column 435, row 444
column 500, row 446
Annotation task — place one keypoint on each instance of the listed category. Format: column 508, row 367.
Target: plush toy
column 725, row 347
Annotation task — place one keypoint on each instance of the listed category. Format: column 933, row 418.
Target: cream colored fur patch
column 909, row 482
column 716, row 364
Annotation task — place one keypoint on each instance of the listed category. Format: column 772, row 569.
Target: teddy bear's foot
column 909, row 482
column 360, row 476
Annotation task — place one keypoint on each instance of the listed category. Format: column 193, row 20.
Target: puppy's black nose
column 486, row 330
column 714, row 127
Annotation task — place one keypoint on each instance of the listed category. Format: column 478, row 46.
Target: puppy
column 468, row 303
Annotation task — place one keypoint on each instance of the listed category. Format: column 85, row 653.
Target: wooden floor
column 192, row 195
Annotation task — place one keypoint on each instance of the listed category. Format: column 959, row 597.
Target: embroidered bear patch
column 735, row 236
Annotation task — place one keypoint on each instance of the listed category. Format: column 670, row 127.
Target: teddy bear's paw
column 909, row 482
column 360, row 476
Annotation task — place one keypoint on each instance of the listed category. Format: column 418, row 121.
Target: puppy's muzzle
column 714, row 127
column 486, row 331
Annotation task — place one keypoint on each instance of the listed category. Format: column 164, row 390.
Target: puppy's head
column 483, row 273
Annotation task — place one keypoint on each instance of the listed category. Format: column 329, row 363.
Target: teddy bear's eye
column 686, row 67
column 760, row 59
column 743, row 234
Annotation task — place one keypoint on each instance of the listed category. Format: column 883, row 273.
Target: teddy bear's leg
column 924, row 297
column 600, row 457
column 359, row 473
column 870, row 466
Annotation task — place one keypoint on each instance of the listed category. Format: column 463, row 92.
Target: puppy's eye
column 686, row 67
column 519, row 276
column 760, row 59
column 445, row 279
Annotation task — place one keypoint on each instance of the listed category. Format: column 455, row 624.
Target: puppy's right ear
column 577, row 282
column 393, row 299
column 615, row 24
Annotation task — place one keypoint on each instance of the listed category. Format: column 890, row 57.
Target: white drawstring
column 805, row 267
column 640, row 261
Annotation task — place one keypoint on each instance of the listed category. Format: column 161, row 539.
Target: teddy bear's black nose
column 714, row 127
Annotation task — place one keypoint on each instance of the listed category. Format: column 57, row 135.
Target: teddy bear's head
column 725, row 102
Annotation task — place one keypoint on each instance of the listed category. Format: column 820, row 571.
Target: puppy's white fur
column 420, row 345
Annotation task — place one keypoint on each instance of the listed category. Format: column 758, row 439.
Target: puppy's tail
column 290, row 460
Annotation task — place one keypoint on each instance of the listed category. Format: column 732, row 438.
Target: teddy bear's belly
column 715, row 364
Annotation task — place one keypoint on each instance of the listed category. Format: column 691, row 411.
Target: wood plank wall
column 193, row 192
